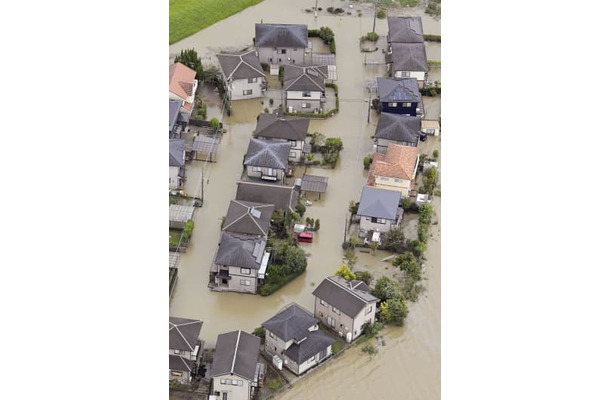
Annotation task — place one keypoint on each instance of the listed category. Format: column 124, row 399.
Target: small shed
column 430, row 127
column 205, row 147
column 178, row 215
column 314, row 183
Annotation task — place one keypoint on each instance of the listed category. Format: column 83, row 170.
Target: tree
column 350, row 256
column 417, row 247
column 364, row 276
column 214, row 123
column 326, row 34
column 373, row 246
column 190, row 58
column 425, row 214
column 386, row 288
column 367, row 162
column 295, row 259
column 429, row 179
column 345, row 272
column 407, row 262
column 334, row 145
column 300, row 208
column 353, row 207
column 394, row 311
column 316, row 141
column 317, row 225
column 395, row 240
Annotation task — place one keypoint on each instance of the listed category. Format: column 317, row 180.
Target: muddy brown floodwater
column 408, row 366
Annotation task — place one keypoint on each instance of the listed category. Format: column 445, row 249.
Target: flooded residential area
column 409, row 354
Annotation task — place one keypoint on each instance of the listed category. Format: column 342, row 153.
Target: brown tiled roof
column 181, row 80
column 398, row 162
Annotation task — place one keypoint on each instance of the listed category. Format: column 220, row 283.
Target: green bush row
column 271, row 287
column 432, row 38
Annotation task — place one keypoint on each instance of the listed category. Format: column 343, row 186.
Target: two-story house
column 248, row 218
column 405, row 30
column 379, row 210
column 281, row 43
column 242, row 75
column 281, row 196
column 267, row 159
column 406, row 53
column 394, row 170
column 293, row 335
column 176, row 163
column 182, row 86
column 185, row 348
column 399, row 96
column 234, row 369
column 284, row 128
column 344, row 306
column 397, row 129
column 304, row 88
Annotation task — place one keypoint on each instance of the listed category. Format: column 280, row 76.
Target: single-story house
column 431, row 127
column 179, row 215
column 394, row 170
column 399, row 96
column 408, row 60
column 293, row 335
column 405, row 30
column 240, row 263
column 234, row 369
column 304, row 88
column 397, row 129
column 185, row 348
column 249, row 218
column 281, row 196
column 281, row 43
column 344, row 306
column 267, row 159
column 177, row 158
column 284, row 128
column 242, row 75
column 379, row 210
column 182, row 86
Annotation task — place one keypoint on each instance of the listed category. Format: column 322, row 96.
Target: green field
column 189, row 16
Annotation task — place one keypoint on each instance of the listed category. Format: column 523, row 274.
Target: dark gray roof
column 268, row 153
column 378, row 203
column 281, row 127
column 281, row 35
column 236, row 353
column 398, row 90
column 242, row 251
column 408, row 57
column 281, row 196
column 174, row 112
column 350, row 297
column 316, row 342
column 304, row 78
column 178, row 363
column 240, row 65
column 314, row 183
column 293, row 322
column 176, row 153
column 401, row 128
column 184, row 333
column 405, row 30
column 248, row 217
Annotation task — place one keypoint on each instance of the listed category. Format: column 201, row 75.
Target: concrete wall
column 297, row 103
column 270, row 55
column 259, row 172
column 366, row 225
column 238, row 86
column 275, row 345
column 353, row 325
column 419, row 75
column 235, row 283
column 234, row 392
column 174, row 179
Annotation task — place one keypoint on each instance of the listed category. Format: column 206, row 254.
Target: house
column 240, row 263
column 242, row 75
column 397, row 129
column 394, row 170
column 234, row 369
column 176, row 163
column 293, row 335
column 284, row 128
column 248, row 218
column 344, row 306
column 267, row 159
column 304, row 88
column 185, row 348
column 408, row 60
column 281, row 196
column 399, row 96
column 378, row 210
column 281, row 43
column 405, row 30
column 430, row 127
column 182, row 86
column 177, row 120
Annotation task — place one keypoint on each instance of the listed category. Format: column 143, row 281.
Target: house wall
column 297, row 101
column 309, row 363
column 419, row 75
column 270, row 55
column 259, row 172
column 235, row 283
column 234, row 392
column 400, row 185
column 275, row 345
column 383, row 144
column 366, row 225
column 353, row 325
column 400, row 108
column 183, row 378
column 239, row 85
column 188, row 99
column 174, row 179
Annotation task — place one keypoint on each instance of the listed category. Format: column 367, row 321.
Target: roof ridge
column 235, row 353
column 344, row 288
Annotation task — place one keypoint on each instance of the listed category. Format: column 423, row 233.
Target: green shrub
column 308, row 10
column 386, row 288
column 345, row 272
column 300, row 208
column 214, row 123
column 260, row 332
column 432, row 38
column 330, row 9
column 317, row 225
column 367, row 162
column 369, row 349
column 381, row 14
column 372, row 36
column 364, row 276
column 188, row 229
column 435, row 154
column 394, row 311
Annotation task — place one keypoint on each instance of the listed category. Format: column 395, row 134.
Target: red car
column 305, row 237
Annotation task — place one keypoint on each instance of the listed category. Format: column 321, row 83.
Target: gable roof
column 281, row 127
column 184, row 333
column 176, row 152
column 378, row 203
column 181, row 80
column 316, row 342
column 301, row 77
column 248, row 217
column 398, row 90
column 242, row 251
column 408, row 57
column 292, row 322
column 405, row 30
column 177, row 363
column 240, row 65
column 174, row 112
column 236, row 353
column 398, row 127
column 281, row 35
column 281, row 196
column 398, row 162
column 268, row 154
column 350, row 297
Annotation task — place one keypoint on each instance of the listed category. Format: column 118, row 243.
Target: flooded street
column 412, row 353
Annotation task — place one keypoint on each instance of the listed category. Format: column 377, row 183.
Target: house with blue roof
column 399, row 96
column 379, row 210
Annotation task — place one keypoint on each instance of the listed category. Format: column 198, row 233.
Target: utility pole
column 374, row 17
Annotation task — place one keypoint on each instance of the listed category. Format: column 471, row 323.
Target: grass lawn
column 174, row 237
column 189, row 16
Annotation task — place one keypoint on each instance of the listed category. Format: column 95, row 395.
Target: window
column 368, row 310
column 247, row 92
column 312, row 359
column 306, row 94
column 397, row 180
column 223, row 381
column 257, row 169
column 392, row 104
column 270, row 59
column 404, row 74
column 406, row 104
column 271, row 335
column 245, row 271
column 321, row 314
column 176, row 351
column 336, row 311
column 376, row 220
column 323, row 302
column 279, row 60
column 224, row 395
column 293, row 143
column 176, row 373
column 244, row 282
column 384, row 178
column 252, row 80
column 293, row 154
column 283, row 51
column 305, row 105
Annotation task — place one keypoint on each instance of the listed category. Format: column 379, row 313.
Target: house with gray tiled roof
column 405, row 30
column 408, row 60
column 177, row 158
column 293, row 335
column 185, row 348
column 399, row 96
column 379, row 210
column 267, row 159
column 281, row 196
column 248, row 218
column 344, row 306
column 281, row 43
column 304, row 88
column 396, row 129
column 242, row 75
column 292, row 130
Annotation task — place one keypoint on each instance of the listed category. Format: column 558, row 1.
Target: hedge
column 324, row 115
column 269, row 288
column 432, row 38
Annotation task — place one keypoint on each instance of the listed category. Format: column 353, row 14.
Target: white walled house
column 267, row 159
column 281, row 44
column 185, row 348
column 243, row 75
column 304, row 88
column 408, row 60
column 397, row 129
column 292, row 130
column 182, row 86
column 379, row 210
column 395, row 169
